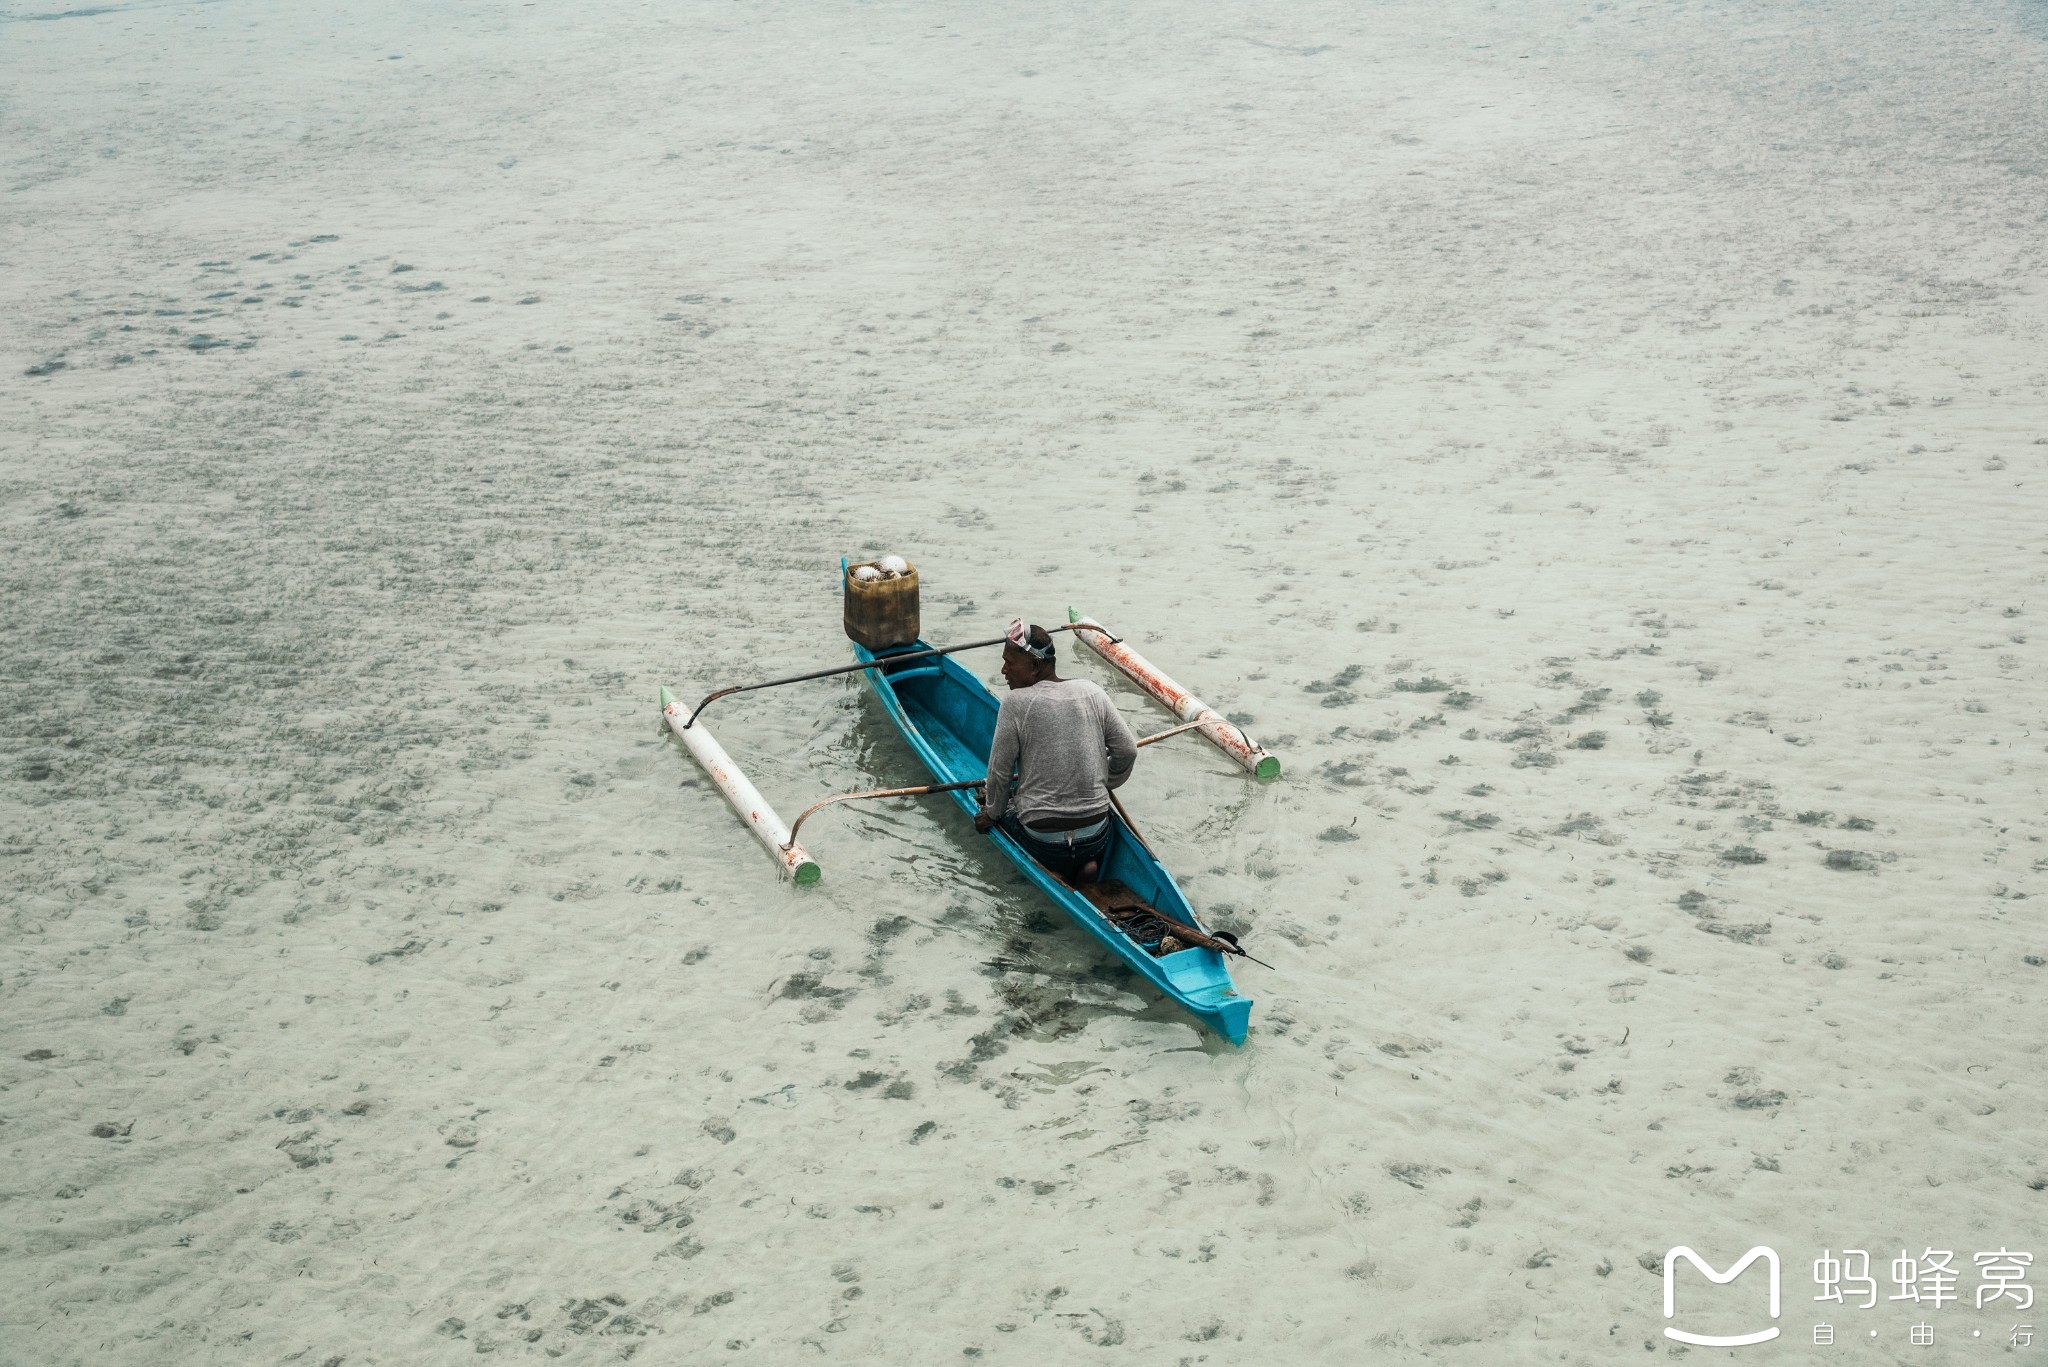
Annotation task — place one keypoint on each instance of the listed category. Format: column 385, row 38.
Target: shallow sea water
column 1599, row 447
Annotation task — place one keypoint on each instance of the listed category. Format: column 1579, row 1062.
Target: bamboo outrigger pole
column 744, row 797
column 919, row 791
column 926, row 788
column 689, row 719
column 1226, row 735
column 923, row 789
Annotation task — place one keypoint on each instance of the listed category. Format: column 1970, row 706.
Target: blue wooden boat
column 949, row 718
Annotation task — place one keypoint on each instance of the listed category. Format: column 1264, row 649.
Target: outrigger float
column 746, row 799
column 946, row 715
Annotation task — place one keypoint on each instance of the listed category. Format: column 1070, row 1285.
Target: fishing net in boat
column 1147, row 931
column 1134, row 917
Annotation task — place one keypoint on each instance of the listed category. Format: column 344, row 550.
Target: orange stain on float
column 1224, row 734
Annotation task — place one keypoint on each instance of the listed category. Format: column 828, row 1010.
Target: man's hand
column 983, row 822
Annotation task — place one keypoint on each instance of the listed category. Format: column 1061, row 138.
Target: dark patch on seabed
column 87, row 13
column 63, row 14
column 2033, row 17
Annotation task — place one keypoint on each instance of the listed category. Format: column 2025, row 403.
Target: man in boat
column 1068, row 746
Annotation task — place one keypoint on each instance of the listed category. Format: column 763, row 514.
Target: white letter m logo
column 1719, row 1279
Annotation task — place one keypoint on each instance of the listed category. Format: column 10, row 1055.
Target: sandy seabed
column 1600, row 446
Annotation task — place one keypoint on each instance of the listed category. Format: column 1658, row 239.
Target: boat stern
column 1203, row 979
column 1232, row 1019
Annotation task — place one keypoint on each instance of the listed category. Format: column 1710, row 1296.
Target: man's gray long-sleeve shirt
column 1074, row 747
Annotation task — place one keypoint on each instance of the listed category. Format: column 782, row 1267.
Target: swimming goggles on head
column 1019, row 636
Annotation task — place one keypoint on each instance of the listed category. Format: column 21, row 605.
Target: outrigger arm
column 924, row 789
column 879, row 792
column 709, row 698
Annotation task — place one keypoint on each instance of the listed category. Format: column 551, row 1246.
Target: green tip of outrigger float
column 806, row 874
column 666, row 697
column 1268, row 770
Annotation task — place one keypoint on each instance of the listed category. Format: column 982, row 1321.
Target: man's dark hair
column 1041, row 639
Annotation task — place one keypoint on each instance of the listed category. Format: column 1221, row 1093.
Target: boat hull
column 948, row 717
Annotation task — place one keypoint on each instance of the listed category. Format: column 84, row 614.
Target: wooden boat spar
column 949, row 719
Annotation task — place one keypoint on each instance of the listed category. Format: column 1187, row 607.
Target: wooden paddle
column 1099, row 898
column 1189, row 935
